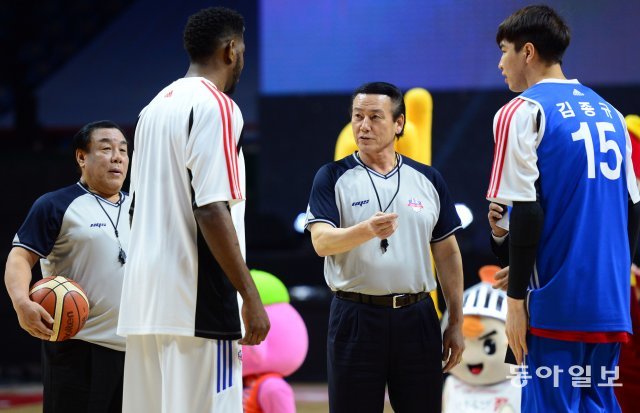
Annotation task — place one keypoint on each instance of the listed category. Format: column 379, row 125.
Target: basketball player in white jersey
column 180, row 310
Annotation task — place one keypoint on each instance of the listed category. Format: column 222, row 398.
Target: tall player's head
column 532, row 41
column 101, row 152
column 214, row 40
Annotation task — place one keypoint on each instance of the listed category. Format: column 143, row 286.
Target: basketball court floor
column 310, row 398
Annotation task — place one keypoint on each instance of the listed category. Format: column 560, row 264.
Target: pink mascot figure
column 264, row 366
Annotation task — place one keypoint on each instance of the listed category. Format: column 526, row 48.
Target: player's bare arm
column 448, row 260
column 214, row 220
column 17, row 277
column 328, row 240
column 516, row 327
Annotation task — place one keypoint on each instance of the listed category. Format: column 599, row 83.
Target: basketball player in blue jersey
column 562, row 161
column 80, row 232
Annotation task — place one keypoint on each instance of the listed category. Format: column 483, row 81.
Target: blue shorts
column 569, row 376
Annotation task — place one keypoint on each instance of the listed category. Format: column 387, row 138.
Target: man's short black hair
column 539, row 25
column 384, row 88
column 207, row 29
column 82, row 138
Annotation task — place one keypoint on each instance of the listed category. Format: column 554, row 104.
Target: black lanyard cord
column 122, row 256
column 384, row 244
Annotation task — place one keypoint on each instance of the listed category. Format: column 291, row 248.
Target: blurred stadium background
column 65, row 63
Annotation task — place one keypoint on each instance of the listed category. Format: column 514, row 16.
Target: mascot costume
column 264, row 366
column 480, row 383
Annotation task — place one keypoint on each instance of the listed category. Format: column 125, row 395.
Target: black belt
column 391, row 300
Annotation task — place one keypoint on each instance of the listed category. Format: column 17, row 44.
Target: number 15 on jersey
column 606, row 145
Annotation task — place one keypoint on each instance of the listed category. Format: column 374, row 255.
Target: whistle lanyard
column 384, row 244
column 122, row 256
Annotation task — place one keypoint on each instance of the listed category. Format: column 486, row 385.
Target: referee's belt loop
column 391, row 300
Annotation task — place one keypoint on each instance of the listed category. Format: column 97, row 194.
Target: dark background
column 65, row 63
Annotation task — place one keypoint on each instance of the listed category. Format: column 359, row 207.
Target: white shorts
column 171, row 374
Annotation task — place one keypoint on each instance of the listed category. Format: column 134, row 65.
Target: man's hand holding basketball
column 32, row 318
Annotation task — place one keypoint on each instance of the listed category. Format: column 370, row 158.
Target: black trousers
column 370, row 347
column 80, row 377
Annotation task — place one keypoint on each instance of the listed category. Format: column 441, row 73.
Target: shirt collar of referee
column 399, row 162
column 105, row 200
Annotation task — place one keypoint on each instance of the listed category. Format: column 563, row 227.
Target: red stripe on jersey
column 224, row 119
column 227, row 137
column 498, row 145
column 502, row 129
column 232, row 144
column 583, row 336
column 233, row 151
column 232, row 154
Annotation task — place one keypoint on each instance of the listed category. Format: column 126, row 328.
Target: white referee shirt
column 75, row 239
column 343, row 196
column 186, row 155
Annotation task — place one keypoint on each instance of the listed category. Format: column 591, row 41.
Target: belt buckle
column 395, row 303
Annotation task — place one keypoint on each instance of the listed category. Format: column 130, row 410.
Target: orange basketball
column 67, row 303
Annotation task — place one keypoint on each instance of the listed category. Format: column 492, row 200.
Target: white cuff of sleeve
column 499, row 240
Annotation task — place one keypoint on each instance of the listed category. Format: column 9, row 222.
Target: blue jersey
column 563, row 144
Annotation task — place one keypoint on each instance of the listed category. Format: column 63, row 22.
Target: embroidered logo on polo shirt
column 415, row 205
column 98, row 225
column 360, row 203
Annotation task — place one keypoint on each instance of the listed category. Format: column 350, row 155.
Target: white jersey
column 72, row 231
column 186, row 155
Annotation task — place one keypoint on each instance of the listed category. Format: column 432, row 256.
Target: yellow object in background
column 633, row 124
